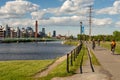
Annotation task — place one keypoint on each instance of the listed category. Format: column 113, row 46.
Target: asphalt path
column 108, row 61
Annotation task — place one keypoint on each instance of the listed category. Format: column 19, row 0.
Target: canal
column 33, row 51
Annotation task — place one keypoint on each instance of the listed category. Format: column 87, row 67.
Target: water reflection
column 33, row 51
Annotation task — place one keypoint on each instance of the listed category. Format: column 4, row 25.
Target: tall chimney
column 36, row 28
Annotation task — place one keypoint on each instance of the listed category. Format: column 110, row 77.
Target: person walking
column 113, row 45
column 98, row 42
column 93, row 44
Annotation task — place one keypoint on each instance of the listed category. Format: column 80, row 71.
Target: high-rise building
column 7, row 31
column 23, row 32
column 54, row 33
column 13, row 34
column 43, row 32
column 18, row 32
column 2, row 32
column 30, row 32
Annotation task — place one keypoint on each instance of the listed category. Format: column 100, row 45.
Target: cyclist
column 113, row 45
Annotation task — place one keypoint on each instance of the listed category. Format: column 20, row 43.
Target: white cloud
column 102, row 22
column 18, row 22
column 115, row 9
column 117, row 24
column 18, row 8
column 70, row 6
column 38, row 15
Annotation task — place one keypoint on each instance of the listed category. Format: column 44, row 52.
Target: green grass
column 60, row 70
column 71, row 42
column 21, row 70
column 108, row 46
column 94, row 59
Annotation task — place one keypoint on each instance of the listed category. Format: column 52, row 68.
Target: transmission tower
column 90, row 21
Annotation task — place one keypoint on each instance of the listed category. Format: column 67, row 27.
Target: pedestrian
column 93, row 44
column 113, row 45
column 98, row 42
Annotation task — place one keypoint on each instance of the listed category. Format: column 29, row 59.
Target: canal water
column 33, row 51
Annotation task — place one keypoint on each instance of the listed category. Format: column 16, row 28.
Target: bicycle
column 113, row 50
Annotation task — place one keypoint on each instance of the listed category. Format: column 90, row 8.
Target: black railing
column 71, row 57
column 89, row 58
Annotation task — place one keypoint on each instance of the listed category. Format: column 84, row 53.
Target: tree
column 116, row 35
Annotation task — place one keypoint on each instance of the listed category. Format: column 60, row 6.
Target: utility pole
column 90, row 21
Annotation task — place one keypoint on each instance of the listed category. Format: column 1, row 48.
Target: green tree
column 116, row 35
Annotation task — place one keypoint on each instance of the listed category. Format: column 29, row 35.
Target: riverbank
column 18, row 40
column 25, row 69
column 21, row 70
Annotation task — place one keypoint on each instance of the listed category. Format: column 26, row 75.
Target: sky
column 64, row 16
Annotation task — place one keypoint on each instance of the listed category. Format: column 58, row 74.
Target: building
column 7, row 31
column 54, row 34
column 23, row 33
column 49, row 34
column 43, row 32
column 30, row 32
column 13, row 34
column 18, row 32
column 2, row 32
column 61, row 37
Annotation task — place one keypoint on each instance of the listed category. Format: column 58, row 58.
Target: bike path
column 108, row 61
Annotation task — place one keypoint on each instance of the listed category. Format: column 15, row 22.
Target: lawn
column 21, row 70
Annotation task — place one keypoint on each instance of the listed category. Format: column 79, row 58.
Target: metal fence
column 71, row 57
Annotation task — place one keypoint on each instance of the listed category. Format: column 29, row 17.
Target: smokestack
column 36, row 28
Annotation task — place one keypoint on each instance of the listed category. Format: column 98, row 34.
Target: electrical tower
column 90, row 21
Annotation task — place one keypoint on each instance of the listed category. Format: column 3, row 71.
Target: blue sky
column 63, row 16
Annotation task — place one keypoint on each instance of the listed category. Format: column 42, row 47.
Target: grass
column 94, row 59
column 71, row 42
column 21, row 70
column 60, row 70
column 108, row 46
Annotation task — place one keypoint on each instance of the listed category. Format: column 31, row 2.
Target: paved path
column 109, row 62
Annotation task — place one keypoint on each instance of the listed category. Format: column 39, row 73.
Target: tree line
column 115, row 36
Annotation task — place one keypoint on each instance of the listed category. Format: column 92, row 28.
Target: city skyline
column 64, row 16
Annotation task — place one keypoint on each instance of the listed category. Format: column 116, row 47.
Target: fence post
column 74, row 54
column 71, row 59
column 68, row 63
